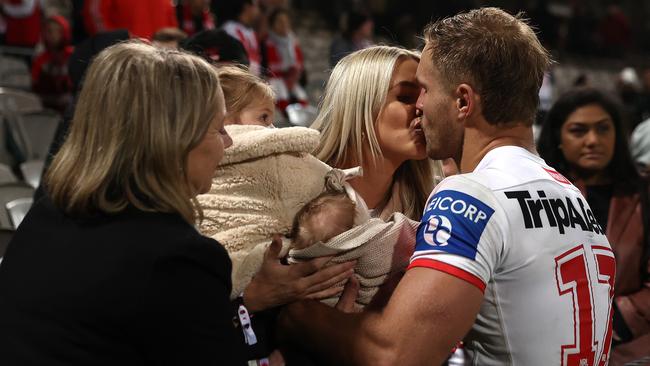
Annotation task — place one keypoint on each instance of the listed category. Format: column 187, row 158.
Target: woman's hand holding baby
column 278, row 284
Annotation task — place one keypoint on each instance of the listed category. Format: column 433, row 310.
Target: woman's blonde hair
column 354, row 96
column 140, row 112
column 240, row 88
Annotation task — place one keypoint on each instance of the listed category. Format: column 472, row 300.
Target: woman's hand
column 278, row 284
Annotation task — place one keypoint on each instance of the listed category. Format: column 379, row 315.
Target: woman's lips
column 416, row 128
column 593, row 155
column 416, row 123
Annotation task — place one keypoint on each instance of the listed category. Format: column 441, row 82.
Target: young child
column 249, row 99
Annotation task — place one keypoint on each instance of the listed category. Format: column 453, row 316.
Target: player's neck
column 481, row 137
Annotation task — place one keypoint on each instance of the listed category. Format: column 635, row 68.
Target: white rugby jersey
column 521, row 233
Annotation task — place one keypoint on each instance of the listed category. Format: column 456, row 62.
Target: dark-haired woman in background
column 583, row 138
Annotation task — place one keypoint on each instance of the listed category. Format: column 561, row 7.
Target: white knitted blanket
column 381, row 249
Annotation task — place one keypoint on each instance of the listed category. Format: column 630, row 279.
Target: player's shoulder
column 511, row 166
column 464, row 196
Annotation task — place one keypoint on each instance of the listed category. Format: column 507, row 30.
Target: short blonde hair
column 240, row 88
column 354, row 96
column 140, row 112
column 495, row 52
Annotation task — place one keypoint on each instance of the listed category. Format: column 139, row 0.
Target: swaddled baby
column 321, row 219
column 269, row 183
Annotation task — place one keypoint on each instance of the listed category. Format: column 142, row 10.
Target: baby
column 321, row 219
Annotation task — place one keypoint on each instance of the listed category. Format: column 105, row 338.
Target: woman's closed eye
column 407, row 98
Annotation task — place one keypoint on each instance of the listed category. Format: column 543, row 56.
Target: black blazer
column 137, row 288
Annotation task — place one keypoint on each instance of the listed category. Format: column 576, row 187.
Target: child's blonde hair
column 240, row 88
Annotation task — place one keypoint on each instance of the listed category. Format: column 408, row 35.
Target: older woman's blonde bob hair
column 354, row 96
column 140, row 112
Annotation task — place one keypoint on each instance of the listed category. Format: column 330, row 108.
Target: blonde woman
column 368, row 118
column 108, row 268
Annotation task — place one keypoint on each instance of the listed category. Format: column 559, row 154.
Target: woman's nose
column 591, row 138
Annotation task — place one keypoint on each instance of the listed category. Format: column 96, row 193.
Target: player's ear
column 467, row 101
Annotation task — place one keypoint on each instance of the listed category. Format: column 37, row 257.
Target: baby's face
column 257, row 113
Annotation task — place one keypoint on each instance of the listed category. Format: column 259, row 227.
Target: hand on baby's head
column 321, row 219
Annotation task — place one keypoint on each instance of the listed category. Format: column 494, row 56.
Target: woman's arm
column 186, row 316
column 278, row 284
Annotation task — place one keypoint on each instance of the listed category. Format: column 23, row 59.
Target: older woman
column 368, row 118
column 583, row 138
column 109, row 269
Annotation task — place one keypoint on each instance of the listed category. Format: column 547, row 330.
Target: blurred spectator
column 358, row 33
column 240, row 17
column 547, row 23
column 615, row 31
column 141, row 18
column 581, row 28
column 57, row 7
column 168, row 38
column 217, row 46
column 285, row 60
column 23, row 22
column 582, row 80
column 79, row 33
column 645, row 94
column 194, row 16
column 50, row 79
column 629, row 90
column 640, row 146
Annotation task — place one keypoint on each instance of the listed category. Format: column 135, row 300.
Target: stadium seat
column 32, row 171
column 18, row 208
column 16, row 101
column 9, row 193
column 34, row 132
column 16, row 80
column 6, row 175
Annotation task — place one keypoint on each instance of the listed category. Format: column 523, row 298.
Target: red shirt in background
column 23, row 19
column 142, row 18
